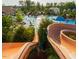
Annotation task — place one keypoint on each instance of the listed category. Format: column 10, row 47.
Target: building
column 8, row 10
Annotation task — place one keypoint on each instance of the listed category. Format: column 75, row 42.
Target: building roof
column 8, row 10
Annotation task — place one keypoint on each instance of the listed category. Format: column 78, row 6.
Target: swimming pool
column 33, row 20
column 59, row 19
column 70, row 21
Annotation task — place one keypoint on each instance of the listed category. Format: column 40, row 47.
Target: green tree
column 55, row 4
column 43, row 32
column 48, row 5
column 70, row 5
column 38, row 6
column 19, row 16
column 27, row 6
column 24, row 34
column 61, row 7
column 69, row 9
column 6, row 23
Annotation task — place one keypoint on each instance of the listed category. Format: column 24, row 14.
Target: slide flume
column 63, row 45
column 19, row 50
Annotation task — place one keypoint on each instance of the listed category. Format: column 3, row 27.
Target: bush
column 43, row 32
column 19, row 16
column 44, row 44
column 51, row 53
column 24, row 34
column 6, row 23
column 10, row 36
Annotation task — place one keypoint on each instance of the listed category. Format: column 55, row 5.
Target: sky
column 16, row 2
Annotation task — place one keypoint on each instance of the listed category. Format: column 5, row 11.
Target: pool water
column 61, row 20
column 33, row 20
column 70, row 21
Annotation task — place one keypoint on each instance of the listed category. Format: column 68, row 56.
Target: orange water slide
column 19, row 50
column 63, row 45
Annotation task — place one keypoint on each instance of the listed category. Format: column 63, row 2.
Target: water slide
column 62, row 44
column 19, row 50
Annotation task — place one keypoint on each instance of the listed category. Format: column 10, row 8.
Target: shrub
column 19, row 16
column 43, row 32
column 24, row 34
column 6, row 23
